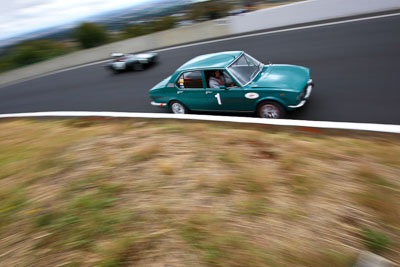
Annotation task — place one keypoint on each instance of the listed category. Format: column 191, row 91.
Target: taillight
column 119, row 59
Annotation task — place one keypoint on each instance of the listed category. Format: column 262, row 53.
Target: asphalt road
column 355, row 67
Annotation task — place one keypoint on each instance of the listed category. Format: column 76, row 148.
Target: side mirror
column 222, row 87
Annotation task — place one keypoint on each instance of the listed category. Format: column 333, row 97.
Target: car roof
column 214, row 60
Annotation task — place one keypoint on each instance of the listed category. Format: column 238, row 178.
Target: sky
column 23, row 16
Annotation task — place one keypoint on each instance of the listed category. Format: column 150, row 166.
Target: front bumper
column 309, row 88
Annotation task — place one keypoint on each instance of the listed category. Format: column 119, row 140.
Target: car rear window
column 190, row 80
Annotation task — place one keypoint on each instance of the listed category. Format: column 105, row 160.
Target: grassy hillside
column 83, row 192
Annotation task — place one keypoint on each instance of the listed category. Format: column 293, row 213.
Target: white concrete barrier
column 301, row 12
column 371, row 127
column 305, row 12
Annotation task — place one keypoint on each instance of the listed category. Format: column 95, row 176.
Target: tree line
column 87, row 35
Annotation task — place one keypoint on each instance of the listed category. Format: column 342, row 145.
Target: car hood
column 283, row 77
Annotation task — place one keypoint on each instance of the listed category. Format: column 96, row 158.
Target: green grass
column 255, row 180
column 375, row 241
column 320, row 257
column 254, row 206
column 12, row 158
column 217, row 245
column 225, row 185
column 380, row 196
column 294, row 214
column 12, row 200
column 85, row 217
column 291, row 163
column 117, row 253
column 173, row 128
column 231, row 157
column 302, row 184
column 79, row 123
column 371, row 176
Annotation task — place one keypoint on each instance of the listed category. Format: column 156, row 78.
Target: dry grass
column 146, row 152
column 379, row 195
column 253, row 206
column 148, row 193
column 167, row 168
column 230, row 157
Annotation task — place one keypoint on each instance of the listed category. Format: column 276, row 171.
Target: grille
column 302, row 94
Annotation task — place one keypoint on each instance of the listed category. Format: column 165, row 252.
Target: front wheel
column 270, row 110
column 178, row 108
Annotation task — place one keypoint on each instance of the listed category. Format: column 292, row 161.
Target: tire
column 270, row 110
column 177, row 107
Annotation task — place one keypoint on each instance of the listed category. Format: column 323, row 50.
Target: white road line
column 373, row 127
column 81, row 66
column 209, row 42
column 53, row 72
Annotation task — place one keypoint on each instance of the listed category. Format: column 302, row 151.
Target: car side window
column 228, row 81
column 216, row 77
column 220, row 78
column 190, row 80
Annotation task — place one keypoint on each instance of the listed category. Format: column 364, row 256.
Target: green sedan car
column 233, row 82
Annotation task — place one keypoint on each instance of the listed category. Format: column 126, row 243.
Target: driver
column 216, row 80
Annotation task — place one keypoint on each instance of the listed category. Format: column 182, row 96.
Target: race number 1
column 217, row 96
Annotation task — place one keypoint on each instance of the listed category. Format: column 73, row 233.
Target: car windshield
column 245, row 68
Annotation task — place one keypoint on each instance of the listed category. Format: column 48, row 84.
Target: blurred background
column 21, row 46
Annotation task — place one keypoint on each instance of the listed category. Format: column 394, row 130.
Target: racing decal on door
column 251, row 95
column 218, row 97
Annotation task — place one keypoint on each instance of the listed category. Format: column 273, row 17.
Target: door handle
column 208, row 92
column 179, row 92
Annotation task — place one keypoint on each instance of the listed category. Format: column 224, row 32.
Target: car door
column 230, row 99
column 191, row 91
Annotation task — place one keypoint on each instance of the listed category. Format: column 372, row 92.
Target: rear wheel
column 270, row 110
column 178, row 108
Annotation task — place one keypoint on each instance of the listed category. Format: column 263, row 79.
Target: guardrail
column 296, row 13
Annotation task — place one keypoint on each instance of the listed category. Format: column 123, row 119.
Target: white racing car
column 122, row 62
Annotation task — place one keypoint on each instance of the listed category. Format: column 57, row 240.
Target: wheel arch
column 178, row 100
column 271, row 98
